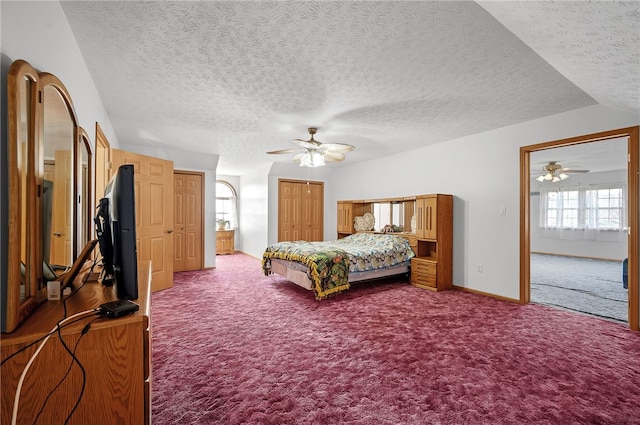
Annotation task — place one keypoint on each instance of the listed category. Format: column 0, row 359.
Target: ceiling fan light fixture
column 540, row 178
column 312, row 159
column 312, row 153
column 563, row 176
column 548, row 176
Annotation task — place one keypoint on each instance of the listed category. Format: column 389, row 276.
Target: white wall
column 607, row 245
column 253, row 211
column 482, row 172
column 38, row 32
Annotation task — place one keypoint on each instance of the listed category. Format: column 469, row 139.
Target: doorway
column 633, row 149
column 578, row 234
column 188, row 245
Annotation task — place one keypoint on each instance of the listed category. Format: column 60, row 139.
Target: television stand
column 115, row 353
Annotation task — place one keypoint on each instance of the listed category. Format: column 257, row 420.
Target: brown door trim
column 103, row 163
column 202, row 194
column 633, row 211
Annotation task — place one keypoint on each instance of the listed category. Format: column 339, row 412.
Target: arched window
column 226, row 204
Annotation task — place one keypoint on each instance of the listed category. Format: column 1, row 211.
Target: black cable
column 75, row 291
column 84, row 376
column 64, row 306
column 32, row 343
column 74, row 359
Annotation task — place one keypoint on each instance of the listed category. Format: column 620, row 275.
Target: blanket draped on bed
column 328, row 267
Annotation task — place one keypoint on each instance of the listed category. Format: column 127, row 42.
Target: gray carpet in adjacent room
column 579, row 284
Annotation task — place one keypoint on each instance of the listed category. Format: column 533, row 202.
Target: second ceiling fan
column 555, row 172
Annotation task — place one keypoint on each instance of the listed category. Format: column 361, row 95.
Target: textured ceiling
column 238, row 79
column 594, row 44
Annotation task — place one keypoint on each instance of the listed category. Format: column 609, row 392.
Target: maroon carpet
column 232, row 346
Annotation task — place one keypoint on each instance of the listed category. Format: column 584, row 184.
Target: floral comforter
column 329, row 263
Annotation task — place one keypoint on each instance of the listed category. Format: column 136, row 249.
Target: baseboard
column 252, row 256
column 486, row 294
column 577, row 256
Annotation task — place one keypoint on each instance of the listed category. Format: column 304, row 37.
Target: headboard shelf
column 426, row 221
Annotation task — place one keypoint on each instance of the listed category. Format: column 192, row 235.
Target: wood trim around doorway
column 102, row 164
column 633, row 210
column 200, row 211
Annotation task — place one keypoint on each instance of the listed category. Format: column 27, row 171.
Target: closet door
column 300, row 210
column 289, row 206
column 312, row 212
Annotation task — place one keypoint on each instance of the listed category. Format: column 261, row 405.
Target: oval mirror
column 84, row 184
column 58, row 143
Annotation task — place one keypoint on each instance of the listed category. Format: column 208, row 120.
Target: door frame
column 201, row 212
column 102, row 164
column 633, row 202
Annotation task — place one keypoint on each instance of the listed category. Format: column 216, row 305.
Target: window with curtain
column 226, row 203
column 594, row 207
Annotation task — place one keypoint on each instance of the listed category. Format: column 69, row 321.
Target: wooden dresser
column 225, row 242
column 115, row 354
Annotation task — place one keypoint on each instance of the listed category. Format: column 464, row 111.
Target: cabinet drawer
column 424, row 279
column 423, row 267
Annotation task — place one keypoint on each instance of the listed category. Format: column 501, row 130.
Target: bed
column 328, row 268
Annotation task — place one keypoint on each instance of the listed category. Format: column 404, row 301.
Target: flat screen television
column 116, row 230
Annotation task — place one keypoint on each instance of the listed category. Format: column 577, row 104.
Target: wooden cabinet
column 300, row 210
column 114, row 353
column 426, row 217
column 225, row 242
column 345, row 217
column 348, row 211
column 432, row 268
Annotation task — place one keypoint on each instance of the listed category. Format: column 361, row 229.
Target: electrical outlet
column 480, row 268
column 503, row 210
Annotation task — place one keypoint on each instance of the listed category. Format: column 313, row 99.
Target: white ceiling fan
column 555, row 172
column 312, row 153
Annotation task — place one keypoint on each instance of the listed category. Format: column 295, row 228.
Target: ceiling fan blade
column 573, row 170
column 307, row 144
column 284, row 151
column 336, row 147
column 333, row 156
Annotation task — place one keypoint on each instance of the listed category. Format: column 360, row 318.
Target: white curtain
column 594, row 212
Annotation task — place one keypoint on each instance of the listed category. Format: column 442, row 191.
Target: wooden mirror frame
column 84, row 186
column 21, row 219
column 25, row 216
